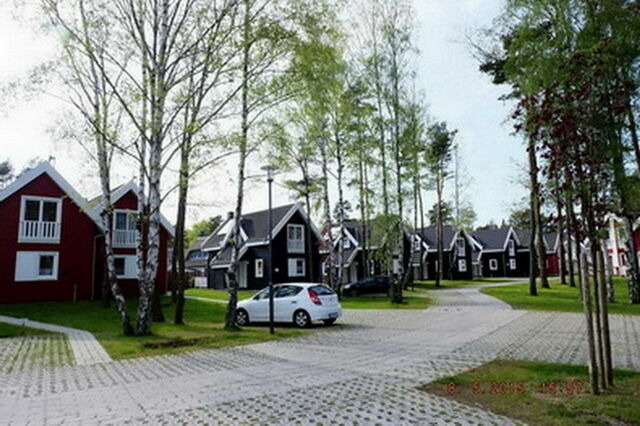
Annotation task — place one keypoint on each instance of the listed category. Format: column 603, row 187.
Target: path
column 85, row 347
column 364, row 371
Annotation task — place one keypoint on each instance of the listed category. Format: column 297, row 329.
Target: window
column 264, row 294
column 259, row 266
column 372, row 266
column 322, row 290
column 512, row 264
column 295, row 238
column 462, row 265
column 126, row 266
column 120, row 263
column 125, row 228
column 461, row 247
column 416, row 245
column 346, row 243
column 36, row 266
column 493, row 264
column 296, row 268
column 287, row 291
column 512, row 248
column 40, row 219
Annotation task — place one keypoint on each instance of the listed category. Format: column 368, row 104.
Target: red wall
column 76, row 249
column 129, row 287
column 553, row 264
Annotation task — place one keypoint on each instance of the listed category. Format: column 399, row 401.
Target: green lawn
column 560, row 297
column 9, row 330
column 382, row 302
column 218, row 294
column 543, row 394
column 203, row 328
column 444, row 284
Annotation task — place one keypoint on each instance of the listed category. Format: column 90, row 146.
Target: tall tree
column 441, row 144
column 6, row 173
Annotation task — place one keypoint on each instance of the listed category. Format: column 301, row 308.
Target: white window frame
column 24, row 256
column 130, row 266
column 293, row 264
column 493, row 264
column 41, row 200
column 115, row 230
column 416, row 245
column 511, row 245
column 290, row 247
column 346, row 243
column 461, row 249
column 512, row 264
column 259, row 268
column 462, row 265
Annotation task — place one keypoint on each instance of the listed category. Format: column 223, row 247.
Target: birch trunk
column 179, row 246
column 535, row 204
column 231, row 275
column 607, row 372
column 533, row 290
column 327, row 214
column 439, row 227
column 341, row 214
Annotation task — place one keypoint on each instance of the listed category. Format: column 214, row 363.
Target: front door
column 353, row 272
column 285, row 302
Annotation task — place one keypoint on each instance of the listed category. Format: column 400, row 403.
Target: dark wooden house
column 502, row 254
column 457, row 256
column 296, row 243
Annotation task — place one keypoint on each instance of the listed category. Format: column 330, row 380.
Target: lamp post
column 270, row 169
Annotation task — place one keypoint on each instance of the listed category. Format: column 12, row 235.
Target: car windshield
column 322, row 290
column 263, row 294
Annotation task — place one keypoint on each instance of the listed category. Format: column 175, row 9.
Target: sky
column 447, row 73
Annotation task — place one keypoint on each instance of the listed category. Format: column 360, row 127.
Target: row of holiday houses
column 52, row 246
column 300, row 251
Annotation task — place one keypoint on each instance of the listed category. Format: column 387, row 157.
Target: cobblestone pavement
column 364, row 371
column 26, row 353
column 85, row 347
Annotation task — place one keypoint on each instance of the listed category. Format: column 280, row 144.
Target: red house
column 52, row 245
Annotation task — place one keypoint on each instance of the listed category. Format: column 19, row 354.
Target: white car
column 300, row 303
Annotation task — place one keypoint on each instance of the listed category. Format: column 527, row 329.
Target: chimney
column 230, row 215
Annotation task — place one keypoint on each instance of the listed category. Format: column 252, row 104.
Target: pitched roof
column 430, row 236
column 492, row 239
column 46, row 168
column 120, row 191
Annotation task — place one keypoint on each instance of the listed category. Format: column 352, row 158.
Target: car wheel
column 242, row 317
column 301, row 319
column 328, row 322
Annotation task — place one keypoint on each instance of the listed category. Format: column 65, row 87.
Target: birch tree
column 440, row 155
column 145, row 67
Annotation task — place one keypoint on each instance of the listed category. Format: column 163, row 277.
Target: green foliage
column 446, row 212
column 202, row 229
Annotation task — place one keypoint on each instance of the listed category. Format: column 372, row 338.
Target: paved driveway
column 364, row 371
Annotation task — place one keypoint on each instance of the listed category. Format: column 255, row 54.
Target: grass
column 444, row 284
column 203, row 328
column 218, row 294
column 382, row 302
column 10, row 330
column 562, row 298
column 524, row 391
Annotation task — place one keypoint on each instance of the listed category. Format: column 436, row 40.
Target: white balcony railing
column 124, row 238
column 35, row 231
column 295, row 246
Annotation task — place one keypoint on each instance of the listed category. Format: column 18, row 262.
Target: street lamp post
column 270, row 169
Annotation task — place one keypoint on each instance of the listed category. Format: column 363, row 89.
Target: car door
column 286, row 302
column 258, row 307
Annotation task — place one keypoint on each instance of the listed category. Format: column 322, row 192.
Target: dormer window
column 40, row 219
column 462, row 247
column 295, row 238
column 125, row 228
column 346, row 243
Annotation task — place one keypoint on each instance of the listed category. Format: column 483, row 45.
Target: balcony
column 124, row 239
column 35, row 231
